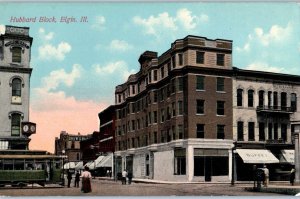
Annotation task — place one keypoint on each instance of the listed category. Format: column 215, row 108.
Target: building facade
column 265, row 114
column 176, row 113
column 69, row 145
column 15, row 72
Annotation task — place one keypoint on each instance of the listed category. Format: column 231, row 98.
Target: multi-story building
column 69, row 145
column 188, row 115
column 174, row 117
column 15, row 72
column 265, row 112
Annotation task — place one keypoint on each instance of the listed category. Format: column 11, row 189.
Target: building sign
column 257, row 156
column 17, row 43
column 16, row 30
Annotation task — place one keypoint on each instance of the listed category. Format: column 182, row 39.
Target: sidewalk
column 282, row 187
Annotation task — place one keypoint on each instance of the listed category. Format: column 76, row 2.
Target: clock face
column 25, row 128
column 32, row 128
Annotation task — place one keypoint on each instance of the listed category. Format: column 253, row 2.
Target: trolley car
column 22, row 167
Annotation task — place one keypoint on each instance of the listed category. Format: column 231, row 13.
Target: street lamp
column 63, row 167
column 233, row 164
column 93, row 148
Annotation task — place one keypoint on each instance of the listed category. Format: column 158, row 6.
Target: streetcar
column 23, row 167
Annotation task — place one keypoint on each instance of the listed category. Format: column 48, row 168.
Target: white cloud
column 261, row 66
column 48, row 51
column 115, row 68
column 187, row 20
column 2, row 29
column 184, row 20
column 45, row 36
column 119, row 45
column 151, row 24
column 99, row 23
column 275, row 34
column 57, row 77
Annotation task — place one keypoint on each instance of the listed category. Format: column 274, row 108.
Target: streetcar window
column 19, row 165
column 8, row 165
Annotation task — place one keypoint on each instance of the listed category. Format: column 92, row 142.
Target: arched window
column 294, row 101
column 15, row 124
column 16, row 54
column 250, row 98
column 261, row 98
column 16, row 87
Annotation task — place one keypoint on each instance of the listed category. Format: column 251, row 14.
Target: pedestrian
column 77, row 179
column 129, row 177
column 107, row 173
column 86, row 181
column 124, row 176
column 69, row 178
column 266, row 172
column 292, row 176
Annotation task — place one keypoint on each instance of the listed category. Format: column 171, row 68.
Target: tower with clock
column 15, row 72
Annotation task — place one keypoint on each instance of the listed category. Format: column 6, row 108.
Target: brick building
column 176, row 113
column 70, row 144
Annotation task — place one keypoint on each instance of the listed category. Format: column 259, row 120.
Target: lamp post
column 63, row 167
column 93, row 148
column 233, row 164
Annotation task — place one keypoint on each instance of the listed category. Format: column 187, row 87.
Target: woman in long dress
column 86, row 181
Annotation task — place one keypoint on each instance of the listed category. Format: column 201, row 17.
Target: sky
column 77, row 65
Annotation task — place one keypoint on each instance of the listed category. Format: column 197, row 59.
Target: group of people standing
column 125, row 176
column 86, row 180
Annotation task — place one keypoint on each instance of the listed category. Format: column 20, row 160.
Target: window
column 250, row 98
column 283, row 100
column 162, row 136
column 155, row 96
column 180, row 58
column 173, row 86
column 251, row 131
column 173, row 62
column 200, row 83
column 155, row 75
column 133, row 125
column 220, row 59
column 199, row 57
column 16, row 87
column 180, row 131
column 261, row 98
column 270, row 130
column 240, row 131
column 162, row 72
column 275, row 131
column 275, row 100
column 261, row 129
column 162, row 115
column 220, row 131
column 269, row 98
column 220, row 84
column 15, row 124
column 180, row 84
column 155, row 137
column 173, row 109
column 180, row 108
column 119, row 98
column 284, row 132
column 294, row 101
column 155, row 117
column 133, row 89
column 200, row 130
column 169, row 67
column 200, row 106
column 220, row 107
column 239, row 97
column 180, row 168
column 16, row 54
column 174, row 132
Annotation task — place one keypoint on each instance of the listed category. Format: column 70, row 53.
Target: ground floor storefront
column 191, row 160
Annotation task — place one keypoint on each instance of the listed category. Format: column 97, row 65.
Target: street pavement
column 105, row 187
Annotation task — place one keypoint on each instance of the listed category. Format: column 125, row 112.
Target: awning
column 257, row 156
column 79, row 166
column 105, row 162
column 94, row 163
column 70, row 165
column 288, row 156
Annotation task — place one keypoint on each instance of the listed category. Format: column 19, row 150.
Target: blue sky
column 76, row 66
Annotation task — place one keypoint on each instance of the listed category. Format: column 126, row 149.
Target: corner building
column 174, row 117
column 15, row 73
